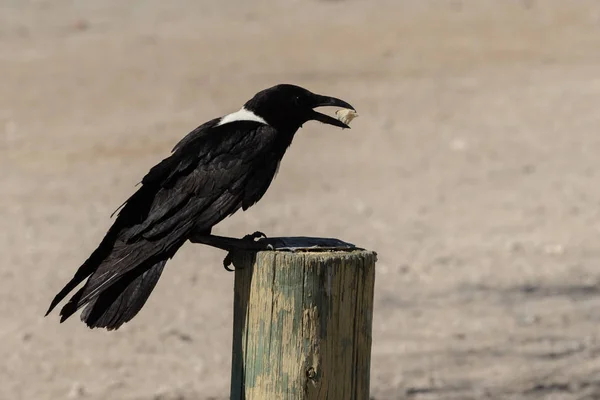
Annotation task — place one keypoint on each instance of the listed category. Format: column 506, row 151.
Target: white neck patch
column 241, row 115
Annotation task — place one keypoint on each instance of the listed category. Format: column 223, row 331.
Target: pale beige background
column 473, row 170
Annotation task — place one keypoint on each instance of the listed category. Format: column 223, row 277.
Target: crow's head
column 288, row 107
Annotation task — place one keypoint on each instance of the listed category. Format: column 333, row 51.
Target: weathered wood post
column 303, row 321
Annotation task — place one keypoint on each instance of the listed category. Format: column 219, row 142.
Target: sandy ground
column 473, row 171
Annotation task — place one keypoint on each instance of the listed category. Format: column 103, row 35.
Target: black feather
column 206, row 179
column 211, row 173
column 123, row 300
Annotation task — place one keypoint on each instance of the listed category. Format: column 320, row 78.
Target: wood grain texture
column 302, row 325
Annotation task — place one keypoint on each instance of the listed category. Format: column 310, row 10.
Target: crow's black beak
column 324, row 101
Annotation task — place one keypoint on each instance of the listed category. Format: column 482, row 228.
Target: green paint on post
column 302, row 325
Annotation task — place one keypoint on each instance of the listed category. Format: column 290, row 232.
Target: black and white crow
column 223, row 165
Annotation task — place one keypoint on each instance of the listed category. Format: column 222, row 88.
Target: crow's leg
column 248, row 242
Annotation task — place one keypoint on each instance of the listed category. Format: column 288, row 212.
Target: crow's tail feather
column 87, row 268
column 118, row 286
column 119, row 302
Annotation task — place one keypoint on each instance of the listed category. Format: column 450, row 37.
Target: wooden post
column 303, row 321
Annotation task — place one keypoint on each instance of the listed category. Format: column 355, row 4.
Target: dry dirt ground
column 473, row 170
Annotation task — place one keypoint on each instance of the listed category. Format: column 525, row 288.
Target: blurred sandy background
column 473, row 170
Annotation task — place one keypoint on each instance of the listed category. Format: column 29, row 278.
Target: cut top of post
column 304, row 243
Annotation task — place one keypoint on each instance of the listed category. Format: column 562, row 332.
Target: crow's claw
column 254, row 236
column 227, row 262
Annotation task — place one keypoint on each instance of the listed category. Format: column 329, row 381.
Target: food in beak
column 346, row 115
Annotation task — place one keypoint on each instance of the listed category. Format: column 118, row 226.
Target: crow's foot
column 251, row 241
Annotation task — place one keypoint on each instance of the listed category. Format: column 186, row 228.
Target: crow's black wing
column 207, row 178
column 211, row 173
